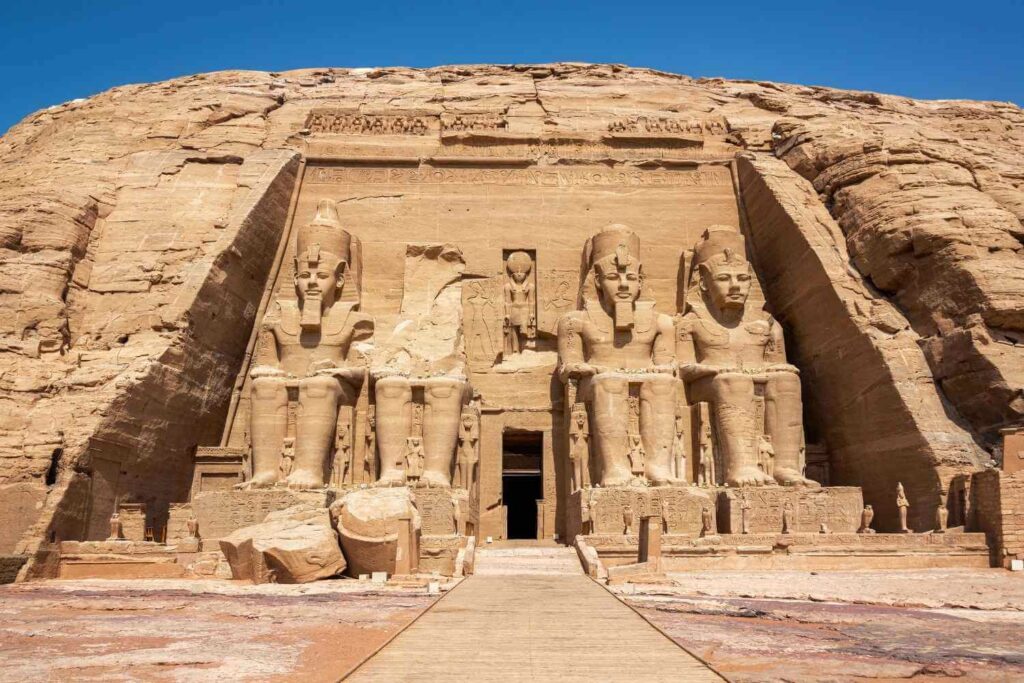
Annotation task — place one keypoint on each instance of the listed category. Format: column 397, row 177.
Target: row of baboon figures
column 624, row 365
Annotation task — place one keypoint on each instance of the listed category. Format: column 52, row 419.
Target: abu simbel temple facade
column 288, row 326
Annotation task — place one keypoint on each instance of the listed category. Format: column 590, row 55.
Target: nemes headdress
column 720, row 244
column 324, row 235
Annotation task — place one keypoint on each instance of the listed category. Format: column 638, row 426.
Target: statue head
column 467, row 421
column 725, row 274
column 322, row 254
column 519, row 265
column 579, row 416
column 613, row 257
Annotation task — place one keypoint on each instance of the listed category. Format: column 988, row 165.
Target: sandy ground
column 844, row 626
column 159, row 630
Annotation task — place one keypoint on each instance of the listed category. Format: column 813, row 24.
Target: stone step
column 522, row 561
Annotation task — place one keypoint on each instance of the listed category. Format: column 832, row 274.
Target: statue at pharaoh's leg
column 309, row 344
column 724, row 348
column 441, row 414
column 614, row 341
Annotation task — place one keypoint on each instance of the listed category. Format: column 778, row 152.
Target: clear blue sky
column 54, row 51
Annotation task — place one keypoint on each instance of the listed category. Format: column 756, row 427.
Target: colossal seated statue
column 614, row 349
column 729, row 354
column 309, row 351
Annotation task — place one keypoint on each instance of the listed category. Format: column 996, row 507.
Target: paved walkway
column 529, row 614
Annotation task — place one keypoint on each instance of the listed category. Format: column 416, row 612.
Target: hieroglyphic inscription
column 681, row 505
column 221, row 512
column 351, row 123
column 703, row 176
column 456, row 123
column 437, row 511
column 837, row 507
column 663, row 124
column 556, row 294
column 482, row 305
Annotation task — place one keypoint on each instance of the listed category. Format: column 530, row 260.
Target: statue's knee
column 393, row 388
column 320, row 386
column 658, row 386
column 732, row 384
column 784, row 384
column 444, row 387
column 609, row 384
column 266, row 388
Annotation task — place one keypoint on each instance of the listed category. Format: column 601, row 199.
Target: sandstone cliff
column 138, row 228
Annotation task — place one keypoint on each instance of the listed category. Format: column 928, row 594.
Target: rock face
column 138, row 230
column 296, row 545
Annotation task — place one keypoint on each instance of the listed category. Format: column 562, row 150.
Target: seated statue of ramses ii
column 308, row 346
column 615, row 346
column 725, row 350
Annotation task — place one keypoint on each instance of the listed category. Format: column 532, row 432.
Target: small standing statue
column 679, row 448
column 192, row 524
column 116, row 526
column 766, row 454
column 520, row 304
column 579, row 448
column 343, row 451
column 636, row 455
column 787, row 518
column 903, row 504
column 705, row 521
column 469, row 435
column 414, row 457
column 744, row 515
column 664, row 514
column 941, row 514
column 370, row 449
column 706, row 473
column 866, row 516
column 627, row 520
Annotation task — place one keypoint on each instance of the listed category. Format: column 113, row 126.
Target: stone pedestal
column 217, row 468
column 619, row 510
column 222, row 512
column 838, row 507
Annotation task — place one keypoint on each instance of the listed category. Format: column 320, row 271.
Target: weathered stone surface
column 296, row 545
column 367, row 521
column 138, row 230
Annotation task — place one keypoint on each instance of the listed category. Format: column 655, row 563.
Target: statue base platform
column 838, row 507
column 222, row 512
column 619, row 510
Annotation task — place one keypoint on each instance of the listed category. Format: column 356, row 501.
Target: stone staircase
column 527, row 560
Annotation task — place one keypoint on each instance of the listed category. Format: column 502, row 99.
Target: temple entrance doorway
column 521, row 477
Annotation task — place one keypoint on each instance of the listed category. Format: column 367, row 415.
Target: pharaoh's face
column 618, row 284
column 580, row 419
column 728, row 284
column 321, row 280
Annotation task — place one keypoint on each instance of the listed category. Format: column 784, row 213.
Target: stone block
column 368, row 522
column 222, row 512
column 839, row 507
column 297, row 545
column 619, row 510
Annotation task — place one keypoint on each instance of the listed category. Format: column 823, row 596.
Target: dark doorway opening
column 521, row 477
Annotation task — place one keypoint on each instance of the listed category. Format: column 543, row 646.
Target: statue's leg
column 784, row 422
column 394, row 421
column 658, row 426
column 731, row 396
column 443, row 410
column 315, row 423
column 268, row 424
column 607, row 397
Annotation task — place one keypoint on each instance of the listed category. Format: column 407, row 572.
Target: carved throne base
column 619, row 510
column 839, row 507
column 222, row 512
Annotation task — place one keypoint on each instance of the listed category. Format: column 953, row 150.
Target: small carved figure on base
column 744, row 515
column 636, row 455
column 287, row 458
column 866, row 516
column 766, row 455
column 941, row 514
column 627, row 520
column 664, row 515
column 705, row 521
column 787, row 518
column 116, row 527
column 414, row 457
column 903, row 504
column 823, row 529
column 370, row 449
column 192, row 523
column 343, row 451
column 679, row 450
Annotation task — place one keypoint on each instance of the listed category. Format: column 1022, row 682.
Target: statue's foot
column 788, row 477
column 260, row 481
column 392, row 478
column 661, row 477
column 617, row 479
column 438, row 479
column 749, row 476
column 302, row 481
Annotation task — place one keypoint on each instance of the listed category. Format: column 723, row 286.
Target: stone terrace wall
column 997, row 508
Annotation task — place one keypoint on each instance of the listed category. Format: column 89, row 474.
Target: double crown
column 324, row 235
